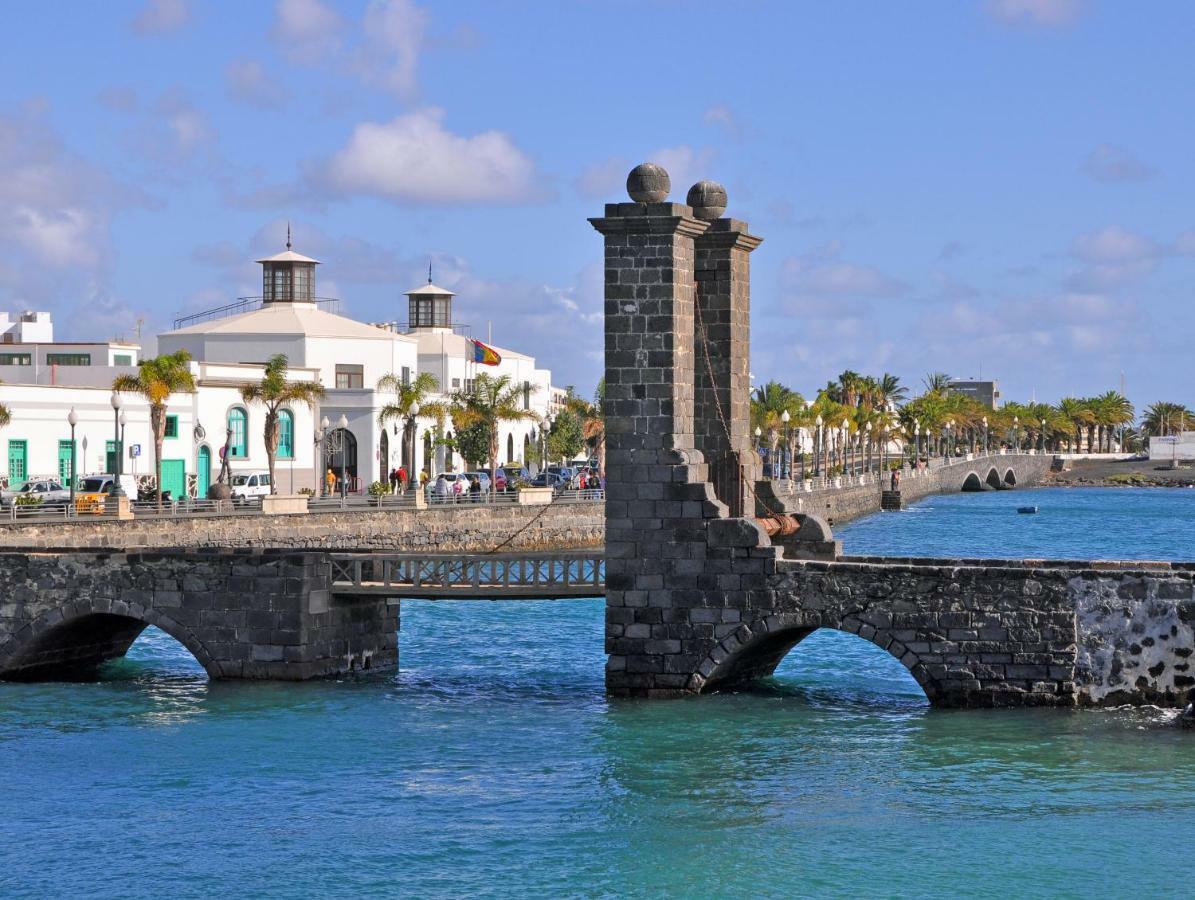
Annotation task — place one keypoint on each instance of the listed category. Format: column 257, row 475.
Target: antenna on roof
column 288, row 235
column 429, row 271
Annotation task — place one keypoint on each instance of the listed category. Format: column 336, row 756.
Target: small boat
column 1027, row 510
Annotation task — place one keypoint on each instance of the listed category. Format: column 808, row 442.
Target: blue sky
column 998, row 187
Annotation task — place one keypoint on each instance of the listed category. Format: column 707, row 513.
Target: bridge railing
column 880, row 478
column 474, row 575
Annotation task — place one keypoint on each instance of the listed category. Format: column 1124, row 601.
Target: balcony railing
column 244, row 305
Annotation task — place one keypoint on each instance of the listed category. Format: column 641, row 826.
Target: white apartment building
column 44, row 380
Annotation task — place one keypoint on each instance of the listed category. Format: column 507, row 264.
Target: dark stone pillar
column 722, row 427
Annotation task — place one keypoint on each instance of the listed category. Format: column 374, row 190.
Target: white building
column 229, row 347
column 1176, row 448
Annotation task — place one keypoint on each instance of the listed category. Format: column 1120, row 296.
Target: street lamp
column 72, row 419
column 949, row 437
column 115, row 400
column 867, row 459
column 1042, row 437
column 343, row 423
column 818, row 447
column 322, row 437
column 916, row 443
column 1016, row 436
column 410, row 441
column 846, row 447
column 985, row 435
column 785, row 418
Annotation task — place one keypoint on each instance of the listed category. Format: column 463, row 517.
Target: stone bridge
column 697, row 593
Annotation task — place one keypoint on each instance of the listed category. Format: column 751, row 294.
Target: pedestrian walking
column 394, row 481
column 402, row 479
column 330, row 482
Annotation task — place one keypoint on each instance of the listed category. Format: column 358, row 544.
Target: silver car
column 49, row 493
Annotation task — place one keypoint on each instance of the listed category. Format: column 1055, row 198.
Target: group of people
column 400, row 480
column 445, row 491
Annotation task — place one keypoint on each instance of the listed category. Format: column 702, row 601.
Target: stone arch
column 1010, row 478
column 755, row 649
column 80, row 636
column 993, row 479
column 972, row 483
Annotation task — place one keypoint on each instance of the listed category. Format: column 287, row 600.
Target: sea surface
column 492, row 764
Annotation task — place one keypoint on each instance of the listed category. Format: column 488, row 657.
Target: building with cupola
column 229, row 346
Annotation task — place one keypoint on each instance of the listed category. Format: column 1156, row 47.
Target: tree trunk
column 157, row 421
column 494, row 458
column 272, row 436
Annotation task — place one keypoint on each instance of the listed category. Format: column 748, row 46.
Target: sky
column 987, row 188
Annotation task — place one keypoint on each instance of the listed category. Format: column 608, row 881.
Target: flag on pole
column 487, row 356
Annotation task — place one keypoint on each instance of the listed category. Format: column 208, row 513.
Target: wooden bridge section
column 505, row 576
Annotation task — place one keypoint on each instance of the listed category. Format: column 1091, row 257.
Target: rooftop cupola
column 430, row 306
column 288, row 277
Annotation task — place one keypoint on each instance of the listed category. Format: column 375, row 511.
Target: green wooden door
column 64, row 464
column 174, row 478
column 18, row 464
column 205, row 472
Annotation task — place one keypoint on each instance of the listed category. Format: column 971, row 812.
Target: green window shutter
column 18, row 464
column 172, row 426
column 286, row 434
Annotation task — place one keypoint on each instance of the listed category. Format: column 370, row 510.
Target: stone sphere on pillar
column 648, row 183
column 708, row 199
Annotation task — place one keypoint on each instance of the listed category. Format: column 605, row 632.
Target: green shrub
column 28, row 500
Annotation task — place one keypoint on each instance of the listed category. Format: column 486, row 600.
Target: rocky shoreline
column 1122, row 473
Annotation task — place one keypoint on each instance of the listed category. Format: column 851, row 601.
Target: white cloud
column 55, row 215
column 1114, row 245
column 1115, row 165
column 162, row 17
column 1037, row 13
column 414, row 159
column 822, row 275
column 723, row 117
column 604, row 180
column 248, row 82
column 307, row 30
column 393, row 31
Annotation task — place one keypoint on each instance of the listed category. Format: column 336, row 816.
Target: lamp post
column 985, row 435
column 72, row 419
column 115, row 400
column 343, row 423
column 818, row 446
column 1016, row 435
column 785, row 418
column 322, row 437
column 543, row 433
column 929, row 446
column 846, row 447
column 410, row 442
column 916, row 443
column 867, row 459
column 949, row 438
column 1041, row 440
column 758, row 435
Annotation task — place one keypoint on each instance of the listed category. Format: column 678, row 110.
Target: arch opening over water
column 73, row 644
column 746, row 657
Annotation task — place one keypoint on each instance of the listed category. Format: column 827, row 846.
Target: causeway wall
column 837, row 506
column 465, row 528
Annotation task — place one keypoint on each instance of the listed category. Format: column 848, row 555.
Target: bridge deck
column 507, row 576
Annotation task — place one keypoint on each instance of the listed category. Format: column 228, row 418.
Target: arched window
column 238, row 423
column 510, row 448
column 286, row 434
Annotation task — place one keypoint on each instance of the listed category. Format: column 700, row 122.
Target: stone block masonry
column 241, row 613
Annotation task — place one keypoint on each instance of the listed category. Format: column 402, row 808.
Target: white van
column 250, row 486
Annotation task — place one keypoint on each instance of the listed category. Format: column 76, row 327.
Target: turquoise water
column 493, row 765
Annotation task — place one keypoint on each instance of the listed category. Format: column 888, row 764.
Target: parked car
column 566, row 473
column 483, row 477
column 248, row 486
column 94, row 491
column 514, row 476
column 47, row 493
column 550, row 479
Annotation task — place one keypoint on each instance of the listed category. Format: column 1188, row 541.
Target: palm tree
column 5, row 413
column 1112, row 411
column 409, row 396
column 891, row 390
column 492, row 401
column 1079, row 415
column 274, row 391
column 768, row 406
column 156, row 380
column 1163, row 419
column 937, row 383
column 593, row 422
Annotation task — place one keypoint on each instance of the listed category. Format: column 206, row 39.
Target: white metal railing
column 473, row 576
